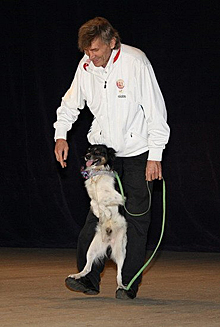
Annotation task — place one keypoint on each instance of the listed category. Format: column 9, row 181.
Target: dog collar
column 93, row 172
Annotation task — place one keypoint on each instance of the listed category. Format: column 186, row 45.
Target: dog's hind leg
column 118, row 255
column 97, row 249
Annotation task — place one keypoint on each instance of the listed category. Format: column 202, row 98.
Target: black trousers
column 131, row 171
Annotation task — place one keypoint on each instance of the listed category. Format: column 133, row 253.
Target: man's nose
column 91, row 55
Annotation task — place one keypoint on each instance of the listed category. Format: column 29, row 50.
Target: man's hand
column 61, row 151
column 153, row 170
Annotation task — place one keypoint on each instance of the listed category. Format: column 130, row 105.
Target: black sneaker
column 80, row 285
column 124, row 294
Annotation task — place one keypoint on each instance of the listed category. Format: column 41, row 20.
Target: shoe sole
column 74, row 285
column 122, row 295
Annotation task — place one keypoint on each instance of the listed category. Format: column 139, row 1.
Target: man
column 119, row 86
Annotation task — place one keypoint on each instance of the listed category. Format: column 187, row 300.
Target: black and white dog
column 105, row 201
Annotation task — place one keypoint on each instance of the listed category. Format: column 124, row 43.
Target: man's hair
column 98, row 27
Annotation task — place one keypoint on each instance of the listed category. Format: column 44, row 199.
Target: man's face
column 99, row 52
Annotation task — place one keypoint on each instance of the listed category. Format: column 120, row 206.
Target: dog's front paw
column 122, row 200
column 75, row 276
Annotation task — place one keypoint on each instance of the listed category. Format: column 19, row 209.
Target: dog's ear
column 111, row 154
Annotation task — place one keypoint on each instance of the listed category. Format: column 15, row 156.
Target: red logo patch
column 120, row 84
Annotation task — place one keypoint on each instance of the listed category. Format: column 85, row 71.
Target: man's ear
column 112, row 43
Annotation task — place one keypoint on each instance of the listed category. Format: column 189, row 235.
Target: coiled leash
column 141, row 214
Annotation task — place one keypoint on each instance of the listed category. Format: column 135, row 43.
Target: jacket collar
column 88, row 64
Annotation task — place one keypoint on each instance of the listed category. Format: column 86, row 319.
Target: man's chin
column 97, row 64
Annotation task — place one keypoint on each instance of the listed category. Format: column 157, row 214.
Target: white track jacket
column 125, row 99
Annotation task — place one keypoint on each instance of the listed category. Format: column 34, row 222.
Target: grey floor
column 178, row 289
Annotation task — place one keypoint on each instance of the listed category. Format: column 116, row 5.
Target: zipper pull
column 105, row 84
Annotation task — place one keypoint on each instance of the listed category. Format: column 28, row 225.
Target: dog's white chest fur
column 101, row 189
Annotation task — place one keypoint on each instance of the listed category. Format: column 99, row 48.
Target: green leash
column 123, row 196
column 141, row 214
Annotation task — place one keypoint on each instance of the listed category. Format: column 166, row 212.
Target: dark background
column 45, row 206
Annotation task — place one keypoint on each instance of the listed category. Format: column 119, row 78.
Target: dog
column 111, row 230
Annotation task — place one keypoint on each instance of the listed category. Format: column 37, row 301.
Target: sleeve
column 68, row 111
column 153, row 104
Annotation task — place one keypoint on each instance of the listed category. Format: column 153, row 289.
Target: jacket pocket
column 95, row 137
column 135, row 143
column 142, row 138
column 95, row 133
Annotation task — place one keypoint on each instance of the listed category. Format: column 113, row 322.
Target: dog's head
column 99, row 155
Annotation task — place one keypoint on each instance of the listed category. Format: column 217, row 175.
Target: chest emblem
column 120, row 84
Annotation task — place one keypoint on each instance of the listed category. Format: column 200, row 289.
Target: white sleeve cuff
column 60, row 133
column 155, row 154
